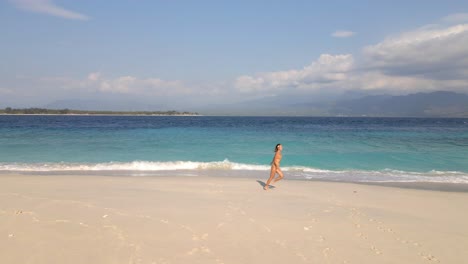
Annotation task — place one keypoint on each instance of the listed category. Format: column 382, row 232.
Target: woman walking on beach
column 275, row 167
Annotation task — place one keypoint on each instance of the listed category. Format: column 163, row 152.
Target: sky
column 177, row 54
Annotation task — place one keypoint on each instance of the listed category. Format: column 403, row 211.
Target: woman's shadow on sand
column 263, row 184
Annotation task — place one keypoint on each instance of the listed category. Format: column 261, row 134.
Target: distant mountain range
column 434, row 104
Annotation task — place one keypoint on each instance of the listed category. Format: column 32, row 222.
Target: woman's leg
column 280, row 175
column 272, row 175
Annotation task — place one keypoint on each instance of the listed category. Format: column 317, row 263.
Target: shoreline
column 92, row 115
column 429, row 186
column 279, row 116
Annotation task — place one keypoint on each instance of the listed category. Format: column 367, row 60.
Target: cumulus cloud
column 430, row 58
column 425, row 48
column 389, row 84
column 148, row 86
column 433, row 57
column 327, row 69
column 343, row 34
column 49, row 8
column 94, row 76
column 430, row 51
column 131, row 85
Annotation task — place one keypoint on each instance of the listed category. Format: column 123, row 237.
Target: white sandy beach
column 98, row 219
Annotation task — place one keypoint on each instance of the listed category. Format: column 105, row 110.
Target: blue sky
column 210, row 51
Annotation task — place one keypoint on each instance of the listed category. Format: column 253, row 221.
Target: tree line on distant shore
column 44, row 111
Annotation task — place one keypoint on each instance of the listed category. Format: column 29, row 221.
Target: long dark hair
column 276, row 148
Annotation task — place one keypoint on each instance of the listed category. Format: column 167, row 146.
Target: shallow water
column 342, row 149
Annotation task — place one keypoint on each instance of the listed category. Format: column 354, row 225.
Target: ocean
column 346, row 149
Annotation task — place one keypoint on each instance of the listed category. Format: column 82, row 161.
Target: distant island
column 45, row 111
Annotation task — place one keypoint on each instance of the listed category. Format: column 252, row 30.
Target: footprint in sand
column 205, row 250
column 428, row 257
column 376, row 251
column 307, row 228
column 299, row 254
column 199, row 249
column 326, row 252
column 280, row 243
column 321, row 239
column 193, row 251
column 218, row 261
column 198, row 238
column 361, row 235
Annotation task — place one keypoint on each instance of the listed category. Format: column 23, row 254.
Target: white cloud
column 343, row 34
column 119, row 85
column 94, row 76
column 326, row 70
column 431, row 58
column 149, row 86
column 48, row 7
column 377, row 80
column 95, row 82
column 437, row 53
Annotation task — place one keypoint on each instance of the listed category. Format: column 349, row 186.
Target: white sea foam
column 142, row 168
column 130, row 166
column 389, row 176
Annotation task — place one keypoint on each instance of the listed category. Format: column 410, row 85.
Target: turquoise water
column 343, row 149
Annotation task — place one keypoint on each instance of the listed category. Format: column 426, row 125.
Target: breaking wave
column 297, row 172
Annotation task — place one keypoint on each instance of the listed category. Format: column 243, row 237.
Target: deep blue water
column 360, row 149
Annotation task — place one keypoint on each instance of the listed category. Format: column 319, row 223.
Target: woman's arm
column 276, row 159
